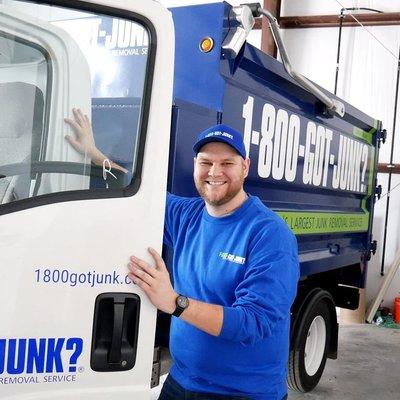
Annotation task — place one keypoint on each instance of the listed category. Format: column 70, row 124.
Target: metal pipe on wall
column 391, row 165
column 342, row 16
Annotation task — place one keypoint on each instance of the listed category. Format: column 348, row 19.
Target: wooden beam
column 324, row 21
column 327, row 21
column 267, row 41
column 385, row 168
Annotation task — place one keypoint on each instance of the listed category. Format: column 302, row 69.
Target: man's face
column 219, row 173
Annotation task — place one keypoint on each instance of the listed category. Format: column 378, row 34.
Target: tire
column 308, row 356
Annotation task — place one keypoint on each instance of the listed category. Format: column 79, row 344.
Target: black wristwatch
column 182, row 303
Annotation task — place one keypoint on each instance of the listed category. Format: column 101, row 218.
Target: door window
column 73, row 93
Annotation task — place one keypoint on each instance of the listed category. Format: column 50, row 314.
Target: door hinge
column 162, row 362
column 156, row 370
column 372, row 247
column 378, row 191
column 381, row 136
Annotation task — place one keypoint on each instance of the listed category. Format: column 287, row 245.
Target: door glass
column 72, row 100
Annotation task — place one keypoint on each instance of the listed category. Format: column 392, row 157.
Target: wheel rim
column 315, row 345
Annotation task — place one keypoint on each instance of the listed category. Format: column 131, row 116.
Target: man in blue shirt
column 235, row 274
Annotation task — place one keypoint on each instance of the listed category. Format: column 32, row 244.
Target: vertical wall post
column 391, row 165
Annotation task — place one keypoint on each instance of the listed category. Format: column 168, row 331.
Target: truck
column 149, row 80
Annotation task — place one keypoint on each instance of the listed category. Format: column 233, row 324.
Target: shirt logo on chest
column 232, row 258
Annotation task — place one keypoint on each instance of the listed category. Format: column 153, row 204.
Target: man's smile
column 216, row 183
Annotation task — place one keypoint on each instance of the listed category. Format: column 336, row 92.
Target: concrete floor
column 368, row 367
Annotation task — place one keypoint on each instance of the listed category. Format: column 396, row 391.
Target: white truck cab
column 72, row 324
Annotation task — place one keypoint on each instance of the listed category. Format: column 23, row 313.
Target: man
column 235, row 274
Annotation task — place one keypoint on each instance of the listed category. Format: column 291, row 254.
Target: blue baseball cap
column 221, row 133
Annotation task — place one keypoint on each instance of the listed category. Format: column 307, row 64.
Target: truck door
column 72, row 324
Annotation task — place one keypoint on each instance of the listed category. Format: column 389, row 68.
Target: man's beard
column 228, row 196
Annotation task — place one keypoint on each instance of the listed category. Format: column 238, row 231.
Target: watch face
column 182, row 301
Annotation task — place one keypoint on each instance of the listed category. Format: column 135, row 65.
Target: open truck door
column 72, row 324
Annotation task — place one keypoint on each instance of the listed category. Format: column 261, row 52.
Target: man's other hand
column 83, row 142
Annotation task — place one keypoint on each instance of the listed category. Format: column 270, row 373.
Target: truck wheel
column 308, row 356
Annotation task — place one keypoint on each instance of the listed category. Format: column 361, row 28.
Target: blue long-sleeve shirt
column 246, row 262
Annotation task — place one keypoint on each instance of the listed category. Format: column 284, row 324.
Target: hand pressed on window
column 84, row 142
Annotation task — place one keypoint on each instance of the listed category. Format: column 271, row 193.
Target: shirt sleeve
column 174, row 207
column 168, row 236
column 266, row 293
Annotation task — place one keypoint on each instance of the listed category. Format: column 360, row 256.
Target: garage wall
column 367, row 79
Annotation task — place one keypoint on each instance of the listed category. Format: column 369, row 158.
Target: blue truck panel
column 318, row 172
column 199, row 83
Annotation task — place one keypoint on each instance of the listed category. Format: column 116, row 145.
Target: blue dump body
column 317, row 172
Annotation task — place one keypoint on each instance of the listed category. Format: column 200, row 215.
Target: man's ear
column 246, row 167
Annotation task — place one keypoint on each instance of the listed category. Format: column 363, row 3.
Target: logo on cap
column 219, row 133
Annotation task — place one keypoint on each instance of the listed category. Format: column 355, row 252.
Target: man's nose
column 215, row 170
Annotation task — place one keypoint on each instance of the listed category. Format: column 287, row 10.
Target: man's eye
column 205, row 163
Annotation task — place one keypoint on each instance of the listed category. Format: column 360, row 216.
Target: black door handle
column 114, row 355
column 115, row 332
